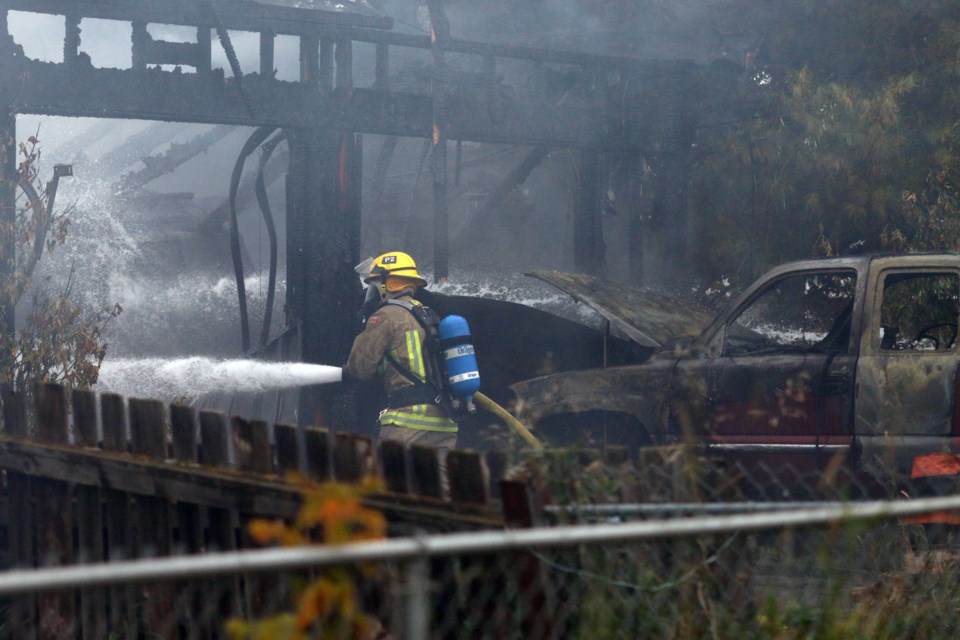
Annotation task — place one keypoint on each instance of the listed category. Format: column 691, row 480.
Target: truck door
column 778, row 379
column 907, row 377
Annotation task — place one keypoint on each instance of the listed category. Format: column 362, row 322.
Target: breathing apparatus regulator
column 448, row 344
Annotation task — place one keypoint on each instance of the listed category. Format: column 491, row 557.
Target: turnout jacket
column 392, row 329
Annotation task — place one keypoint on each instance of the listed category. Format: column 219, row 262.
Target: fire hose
column 487, row 404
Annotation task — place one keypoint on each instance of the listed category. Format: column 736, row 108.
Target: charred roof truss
column 478, row 106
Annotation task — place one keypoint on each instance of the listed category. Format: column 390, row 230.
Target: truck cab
column 849, row 360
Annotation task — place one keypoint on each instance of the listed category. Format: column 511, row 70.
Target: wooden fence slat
column 521, row 509
column 393, row 459
column 85, row 417
column 50, row 404
column 93, row 602
column 190, row 601
column 23, row 610
column 252, row 445
column 221, row 523
column 152, row 516
column 285, row 439
column 113, row 413
column 14, row 411
column 119, row 538
column 148, row 423
column 183, row 428
column 425, row 468
column 183, row 421
column 497, row 466
column 319, row 466
column 353, row 457
column 213, row 438
column 58, row 615
column 468, row 477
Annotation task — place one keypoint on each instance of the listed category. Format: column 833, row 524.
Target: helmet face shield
column 363, row 269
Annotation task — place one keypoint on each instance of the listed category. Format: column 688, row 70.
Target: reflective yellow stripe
column 414, row 418
column 415, row 355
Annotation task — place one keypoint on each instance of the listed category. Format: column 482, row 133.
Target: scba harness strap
column 432, row 390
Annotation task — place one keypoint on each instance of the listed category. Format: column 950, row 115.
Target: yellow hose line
column 487, row 404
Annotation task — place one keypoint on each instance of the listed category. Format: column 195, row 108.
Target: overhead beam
column 55, row 89
column 232, row 14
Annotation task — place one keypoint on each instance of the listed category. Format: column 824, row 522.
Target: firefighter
column 393, row 344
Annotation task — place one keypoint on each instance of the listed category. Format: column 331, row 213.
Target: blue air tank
column 461, row 363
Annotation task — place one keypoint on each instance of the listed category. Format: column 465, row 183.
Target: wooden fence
column 91, row 477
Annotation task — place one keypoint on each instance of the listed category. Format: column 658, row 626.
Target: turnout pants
column 442, row 441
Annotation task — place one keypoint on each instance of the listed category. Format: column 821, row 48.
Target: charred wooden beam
column 71, row 39
column 139, row 38
column 327, row 63
column 440, row 34
column 72, row 150
column 382, row 68
column 310, row 60
column 669, row 219
column 268, row 43
column 515, row 178
column 343, row 56
column 172, row 97
column 178, row 153
column 234, row 14
column 588, row 245
column 204, row 50
column 135, row 147
column 176, row 53
column 517, row 52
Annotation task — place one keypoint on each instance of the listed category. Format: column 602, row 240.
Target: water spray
column 169, row 379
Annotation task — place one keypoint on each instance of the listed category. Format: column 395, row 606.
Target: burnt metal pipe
column 255, row 140
column 261, row 188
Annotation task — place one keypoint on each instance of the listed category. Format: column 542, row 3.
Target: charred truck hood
column 654, row 320
column 650, row 318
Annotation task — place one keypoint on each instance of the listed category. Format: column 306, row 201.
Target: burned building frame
column 612, row 112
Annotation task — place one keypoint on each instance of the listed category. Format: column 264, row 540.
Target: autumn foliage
column 326, row 607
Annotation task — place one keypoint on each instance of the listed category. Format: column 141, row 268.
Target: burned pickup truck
column 819, row 362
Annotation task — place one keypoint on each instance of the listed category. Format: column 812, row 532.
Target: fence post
column 93, row 602
column 20, row 519
column 189, row 523
column 222, row 523
column 153, row 515
column 113, row 413
column 416, row 579
column 58, row 615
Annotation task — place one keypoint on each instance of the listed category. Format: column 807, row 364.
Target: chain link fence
column 827, row 570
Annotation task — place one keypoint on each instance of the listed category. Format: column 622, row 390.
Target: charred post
column 440, row 34
column 669, row 215
column 588, row 246
column 323, row 247
column 204, row 51
column 267, row 49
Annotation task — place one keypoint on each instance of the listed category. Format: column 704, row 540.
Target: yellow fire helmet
column 397, row 264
